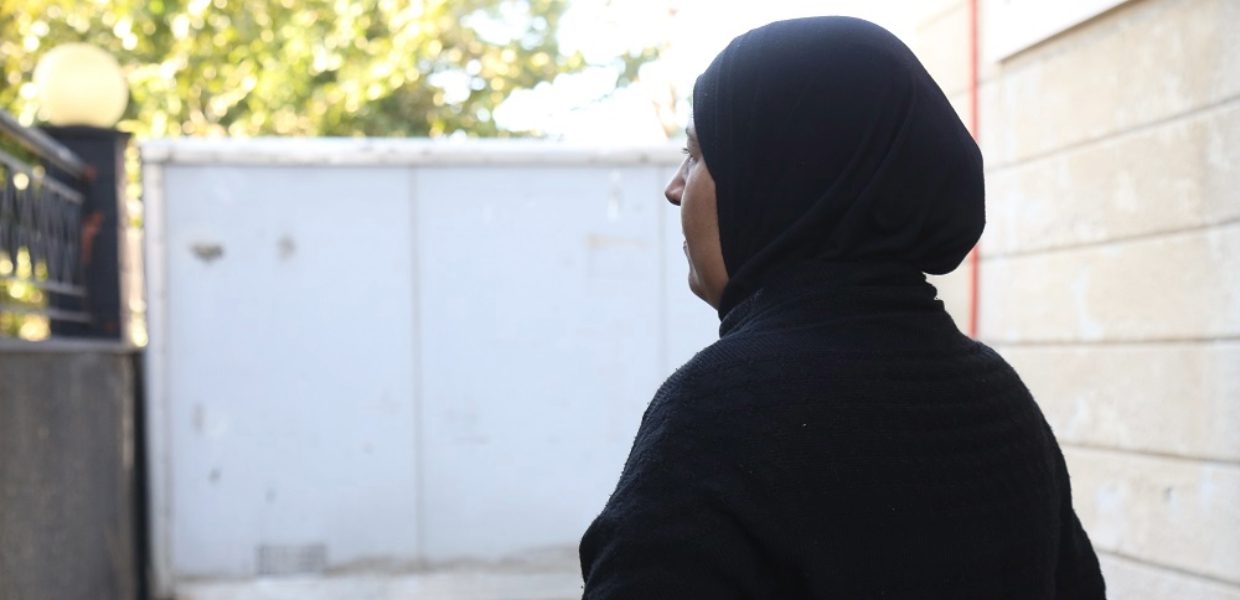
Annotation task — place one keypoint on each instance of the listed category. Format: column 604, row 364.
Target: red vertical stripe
column 974, row 125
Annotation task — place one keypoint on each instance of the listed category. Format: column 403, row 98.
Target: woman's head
column 826, row 140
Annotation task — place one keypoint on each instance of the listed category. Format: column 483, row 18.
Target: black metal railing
column 42, row 198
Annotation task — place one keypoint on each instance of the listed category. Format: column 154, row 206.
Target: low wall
column 68, row 511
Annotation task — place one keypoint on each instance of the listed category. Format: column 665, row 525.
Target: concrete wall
column 1111, row 269
column 406, row 354
column 67, row 493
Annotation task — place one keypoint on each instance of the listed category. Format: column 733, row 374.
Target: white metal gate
column 385, row 354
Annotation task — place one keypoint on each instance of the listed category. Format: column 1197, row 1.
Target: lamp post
column 80, row 84
column 82, row 93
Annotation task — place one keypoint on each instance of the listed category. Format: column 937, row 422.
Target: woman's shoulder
column 737, row 377
column 765, row 362
column 727, row 364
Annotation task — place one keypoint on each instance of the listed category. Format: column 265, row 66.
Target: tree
column 288, row 67
column 302, row 67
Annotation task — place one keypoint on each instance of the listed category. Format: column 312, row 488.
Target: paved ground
column 559, row 580
column 543, row 586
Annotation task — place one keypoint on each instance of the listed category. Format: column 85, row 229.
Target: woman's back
column 848, row 443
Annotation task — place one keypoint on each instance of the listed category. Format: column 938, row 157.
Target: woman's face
column 693, row 190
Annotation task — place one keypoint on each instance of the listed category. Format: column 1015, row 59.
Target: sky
column 579, row 107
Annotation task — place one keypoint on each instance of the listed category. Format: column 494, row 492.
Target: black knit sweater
column 842, row 440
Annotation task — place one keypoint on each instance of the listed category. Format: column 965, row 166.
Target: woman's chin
column 695, row 286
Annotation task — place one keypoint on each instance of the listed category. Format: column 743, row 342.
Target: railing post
column 103, row 226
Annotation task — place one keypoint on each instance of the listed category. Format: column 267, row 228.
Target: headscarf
column 829, row 141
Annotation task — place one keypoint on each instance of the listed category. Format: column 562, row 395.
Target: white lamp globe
column 80, row 84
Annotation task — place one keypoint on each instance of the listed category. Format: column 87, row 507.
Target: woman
column 842, row 439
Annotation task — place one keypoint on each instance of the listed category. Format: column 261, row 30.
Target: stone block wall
column 1110, row 272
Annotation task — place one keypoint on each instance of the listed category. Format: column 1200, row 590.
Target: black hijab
column 829, row 142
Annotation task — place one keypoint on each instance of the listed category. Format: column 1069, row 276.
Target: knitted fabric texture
column 842, row 439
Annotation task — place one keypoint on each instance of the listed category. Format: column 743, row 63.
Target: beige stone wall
column 1111, row 270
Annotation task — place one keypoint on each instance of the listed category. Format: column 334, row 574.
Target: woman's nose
column 674, row 189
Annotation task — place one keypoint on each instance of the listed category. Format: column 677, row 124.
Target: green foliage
column 302, row 67
column 287, row 67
